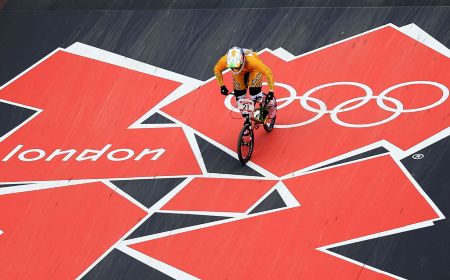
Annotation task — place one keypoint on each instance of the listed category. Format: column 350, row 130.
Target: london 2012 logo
column 116, row 161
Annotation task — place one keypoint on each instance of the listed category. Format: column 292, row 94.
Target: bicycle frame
column 251, row 112
column 254, row 118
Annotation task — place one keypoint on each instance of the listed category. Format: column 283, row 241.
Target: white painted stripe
column 420, row 190
column 138, row 125
column 199, row 227
column 324, row 249
column 39, row 185
column 283, row 54
column 20, row 105
column 427, row 142
column 363, row 265
column 156, row 264
column 379, row 234
column 231, row 176
column 30, row 68
column 124, row 194
column 337, row 165
column 203, row 213
column 418, row 34
column 393, row 150
column 287, row 196
column 38, row 111
column 261, row 199
column 355, row 152
column 179, row 92
column 195, row 148
column 36, row 186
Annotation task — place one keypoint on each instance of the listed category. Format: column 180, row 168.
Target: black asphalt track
column 187, row 37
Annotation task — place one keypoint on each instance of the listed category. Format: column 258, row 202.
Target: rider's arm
column 262, row 68
column 220, row 66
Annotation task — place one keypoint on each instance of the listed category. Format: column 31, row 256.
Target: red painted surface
column 379, row 59
column 87, row 104
column 219, row 195
column 57, row 233
column 338, row 204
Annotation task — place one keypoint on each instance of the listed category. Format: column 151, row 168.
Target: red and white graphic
column 334, row 103
column 341, row 204
column 90, row 105
column 219, row 195
column 57, row 233
column 380, row 88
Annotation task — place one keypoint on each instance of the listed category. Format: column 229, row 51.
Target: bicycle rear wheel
column 245, row 144
column 272, row 111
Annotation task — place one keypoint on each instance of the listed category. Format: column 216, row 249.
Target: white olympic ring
column 336, row 110
column 323, row 108
column 228, row 103
column 399, row 108
column 368, row 90
column 439, row 102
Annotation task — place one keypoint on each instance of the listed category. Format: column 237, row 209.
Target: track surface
column 331, row 193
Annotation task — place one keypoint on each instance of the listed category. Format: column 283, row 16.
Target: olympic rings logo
column 342, row 107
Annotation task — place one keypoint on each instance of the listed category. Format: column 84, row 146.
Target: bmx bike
column 256, row 113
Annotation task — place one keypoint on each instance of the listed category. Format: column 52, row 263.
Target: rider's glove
column 270, row 95
column 224, row 90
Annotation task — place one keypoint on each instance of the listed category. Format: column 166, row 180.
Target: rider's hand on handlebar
column 224, row 90
column 270, row 95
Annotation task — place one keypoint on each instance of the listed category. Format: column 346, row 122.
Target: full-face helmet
column 235, row 59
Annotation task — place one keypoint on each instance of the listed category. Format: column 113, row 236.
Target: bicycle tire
column 242, row 142
column 268, row 126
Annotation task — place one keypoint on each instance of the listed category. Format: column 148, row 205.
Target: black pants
column 253, row 90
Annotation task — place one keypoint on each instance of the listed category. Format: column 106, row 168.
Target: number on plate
column 245, row 106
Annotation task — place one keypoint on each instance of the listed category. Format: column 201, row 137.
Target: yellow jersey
column 252, row 64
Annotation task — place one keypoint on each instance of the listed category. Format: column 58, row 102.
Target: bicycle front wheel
column 245, row 144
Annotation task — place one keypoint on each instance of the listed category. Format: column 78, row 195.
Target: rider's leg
column 255, row 93
column 239, row 93
column 255, row 84
column 240, row 89
column 239, row 86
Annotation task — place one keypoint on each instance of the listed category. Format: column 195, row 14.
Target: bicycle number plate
column 246, row 106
